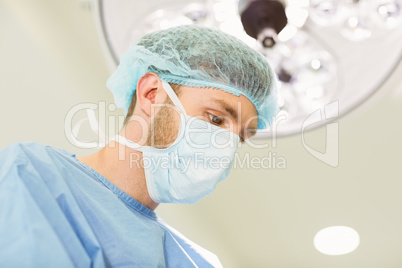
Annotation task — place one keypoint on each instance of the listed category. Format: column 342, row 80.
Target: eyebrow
column 233, row 113
column 227, row 108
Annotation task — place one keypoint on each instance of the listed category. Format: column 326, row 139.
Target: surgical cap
column 197, row 56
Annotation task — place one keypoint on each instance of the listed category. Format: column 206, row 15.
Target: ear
column 149, row 92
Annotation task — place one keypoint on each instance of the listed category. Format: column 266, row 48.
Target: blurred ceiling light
column 321, row 50
column 388, row 12
column 287, row 33
column 326, row 12
column 336, row 240
column 355, row 29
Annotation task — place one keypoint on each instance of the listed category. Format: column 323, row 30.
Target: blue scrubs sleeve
column 33, row 230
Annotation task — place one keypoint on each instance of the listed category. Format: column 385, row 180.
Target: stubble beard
column 164, row 127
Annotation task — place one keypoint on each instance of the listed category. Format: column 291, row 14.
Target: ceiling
column 52, row 55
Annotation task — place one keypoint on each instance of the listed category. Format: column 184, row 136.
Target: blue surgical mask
column 201, row 156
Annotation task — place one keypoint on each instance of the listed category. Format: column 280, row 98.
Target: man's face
column 234, row 113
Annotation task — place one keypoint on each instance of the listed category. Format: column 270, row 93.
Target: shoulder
column 25, row 156
column 21, row 147
column 16, row 156
column 26, row 149
column 20, row 152
column 200, row 256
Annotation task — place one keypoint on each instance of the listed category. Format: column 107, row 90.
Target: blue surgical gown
column 55, row 211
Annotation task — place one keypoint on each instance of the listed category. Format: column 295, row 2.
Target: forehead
column 211, row 97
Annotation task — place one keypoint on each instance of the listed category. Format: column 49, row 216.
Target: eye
column 215, row 119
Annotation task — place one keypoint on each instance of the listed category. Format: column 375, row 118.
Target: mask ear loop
column 172, row 95
column 128, row 143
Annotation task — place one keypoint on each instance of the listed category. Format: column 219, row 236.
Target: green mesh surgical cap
column 197, row 56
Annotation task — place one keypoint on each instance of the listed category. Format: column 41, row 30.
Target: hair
column 176, row 88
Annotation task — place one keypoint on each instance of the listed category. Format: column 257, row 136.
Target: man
column 191, row 94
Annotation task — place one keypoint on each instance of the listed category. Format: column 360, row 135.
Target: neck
column 122, row 167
